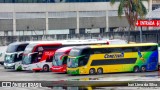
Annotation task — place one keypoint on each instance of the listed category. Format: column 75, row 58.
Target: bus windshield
column 16, row 48
column 56, row 60
column 11, row 48
column 74, row 52
column 72, row 62
column 78, row 57
column 29, row 48
column 9, row 58
column 26, row 59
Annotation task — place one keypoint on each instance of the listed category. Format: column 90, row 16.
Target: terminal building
column 44, row 17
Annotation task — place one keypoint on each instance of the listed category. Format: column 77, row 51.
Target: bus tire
column 99, row 71
column 46, row 68
column 143, row 69
column 136, row 69
column 92, row 71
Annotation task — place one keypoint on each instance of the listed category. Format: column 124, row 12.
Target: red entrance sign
column 153, row 23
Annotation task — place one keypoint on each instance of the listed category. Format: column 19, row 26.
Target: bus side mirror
column 31, row 53
column 63, row 57
column 18, row 54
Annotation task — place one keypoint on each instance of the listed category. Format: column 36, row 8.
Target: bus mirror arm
column 19, row 54
column 31, row 53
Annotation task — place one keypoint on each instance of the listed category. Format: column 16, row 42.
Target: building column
column 107, row 23
column 46, row 32
column 149, row 5
column 77, row 29
column 14, row 23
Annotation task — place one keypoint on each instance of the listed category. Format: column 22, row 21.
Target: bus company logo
column 141, row 56
column 116, row 55
column 49, row 53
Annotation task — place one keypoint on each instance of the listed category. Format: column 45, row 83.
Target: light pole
column 141, row 34
column 91, row 31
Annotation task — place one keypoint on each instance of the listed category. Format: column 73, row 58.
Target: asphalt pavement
column 11, row 75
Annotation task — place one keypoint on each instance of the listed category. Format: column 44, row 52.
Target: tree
column 133, row 10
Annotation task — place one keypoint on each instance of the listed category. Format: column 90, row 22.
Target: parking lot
column 11, row 75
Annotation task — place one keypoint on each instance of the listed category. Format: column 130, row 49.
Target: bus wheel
column 99, row 71
column 45, row 68
column 92, row 71
column 136, row 69
column 143, row 69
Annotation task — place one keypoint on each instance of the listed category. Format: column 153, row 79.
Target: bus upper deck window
column 40, row 48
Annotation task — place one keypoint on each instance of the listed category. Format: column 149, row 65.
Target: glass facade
column 49, row 1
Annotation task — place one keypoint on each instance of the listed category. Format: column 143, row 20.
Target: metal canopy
column 154, row 14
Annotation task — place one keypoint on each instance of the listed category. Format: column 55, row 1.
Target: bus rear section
column 59, row 63
column 113, row 58
column 13, row 54
column 38, row 57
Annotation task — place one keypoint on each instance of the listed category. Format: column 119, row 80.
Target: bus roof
column 124, row 45
column 64, row 49
column 18, row 43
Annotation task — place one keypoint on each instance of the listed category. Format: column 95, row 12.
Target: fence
column 148, row 36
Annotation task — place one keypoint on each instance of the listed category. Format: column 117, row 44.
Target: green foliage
column 133, row 10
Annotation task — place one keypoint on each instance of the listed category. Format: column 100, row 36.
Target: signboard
column 152, row 23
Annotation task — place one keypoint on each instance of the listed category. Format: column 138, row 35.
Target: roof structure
column 154, row 14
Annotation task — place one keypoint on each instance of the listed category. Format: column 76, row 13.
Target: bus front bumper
column 9, row 65
column 73, row 72
column 58, row 69
column 26, row 67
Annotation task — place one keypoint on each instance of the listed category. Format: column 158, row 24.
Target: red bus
column 60, row 60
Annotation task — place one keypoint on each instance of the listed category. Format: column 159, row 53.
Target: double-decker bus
column 60, row 57
column 14, row 54
column 36, row 56
column 100, row 59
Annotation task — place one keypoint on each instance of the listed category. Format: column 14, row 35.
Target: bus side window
column 148, row 48
column 21, row 47
column 98, row 51
column 86, row 52
column 65, row 60
column 84, row 59
column 128, row 49
column 116, row 50
column 34, row 58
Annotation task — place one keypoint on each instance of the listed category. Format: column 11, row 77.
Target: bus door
column 34, row 57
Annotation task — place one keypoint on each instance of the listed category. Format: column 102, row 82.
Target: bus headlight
column 81, row 71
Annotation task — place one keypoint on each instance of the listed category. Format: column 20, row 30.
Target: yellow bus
column 98, row 59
